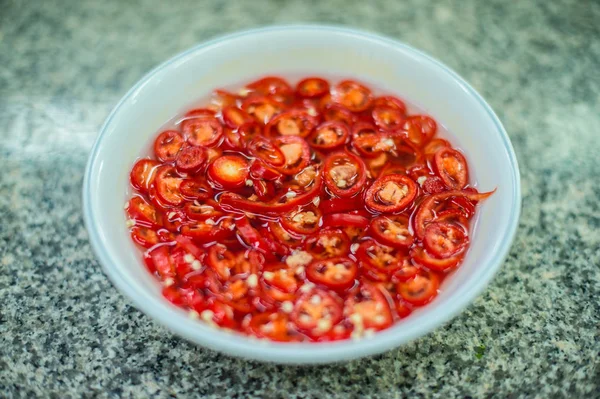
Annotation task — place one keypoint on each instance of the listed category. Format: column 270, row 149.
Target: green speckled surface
column 66, row 332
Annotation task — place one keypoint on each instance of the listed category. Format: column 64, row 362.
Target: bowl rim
column 297, row 353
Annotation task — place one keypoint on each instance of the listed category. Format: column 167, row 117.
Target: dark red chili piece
column 190, row 159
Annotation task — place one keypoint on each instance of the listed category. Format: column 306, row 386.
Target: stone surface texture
column 65, row 331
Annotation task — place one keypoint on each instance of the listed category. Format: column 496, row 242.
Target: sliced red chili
column 273, row 325
column 267, row 151
column 232, row 140
column 464, row 205
column 236, row 203
column 445, row 240
column 202, row 212
column 248, row 262
column 264, row 190
column 235, row 117
column 161, row 261
column 425, row 213
column 382, row 258
column 188, row 245
column 222, row 314
column 393, row 168
column 435, row 145
column 143, row 212
column 329, row 135
column 202, row 131
column 306, row 176
column 182, row 268
column 335, row 273
column 391, row 102
column 254, row 239
column 195, row 189
column 392, row 230
column 167, row 145
column 144, row 236
column 212, row 154
column 229, row 171
column 199, row 112
column 142, row 174
column 421, row 257
column 270, row 85
column 283, row 278
column 310, row 105
column 260, row 170
column 304, row 220
column 345, row 220
column 352, row 95
column 418, row 170
column 391, row 193
column 361, row 129
column 173, row 219
column 223, row 98
column 173, row 295
column 407, row 156
column 402, row 307
column 204, row 233
column 328, row 243
column 221, row 260
column 290, row 239
column 291, row 123
column 388, row 118
column 167, row 183
column 316, row 312
column 312, row 87
column 336, row 112
column 236, row 293
column 325, row 102
column 451, row 166
column 296, row 153
column 372, row 145
column 406, row 272
column 368, row 307
column 190, row 159
column 419, row 129
column 345, row 174
column 195, row 299
column 433, row 185
column 421, row 289
column 262, row 108
column 249, row 130
column 453, row 216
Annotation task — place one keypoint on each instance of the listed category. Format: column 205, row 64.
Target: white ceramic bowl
column 293, row 51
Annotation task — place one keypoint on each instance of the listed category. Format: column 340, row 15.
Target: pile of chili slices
column 311, row 213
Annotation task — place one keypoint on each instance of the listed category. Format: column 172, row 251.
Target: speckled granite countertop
column 65, row 331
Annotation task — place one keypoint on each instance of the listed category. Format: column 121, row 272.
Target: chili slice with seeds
column 345, row 174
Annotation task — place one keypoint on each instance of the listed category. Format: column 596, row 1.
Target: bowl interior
column 293, row 52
